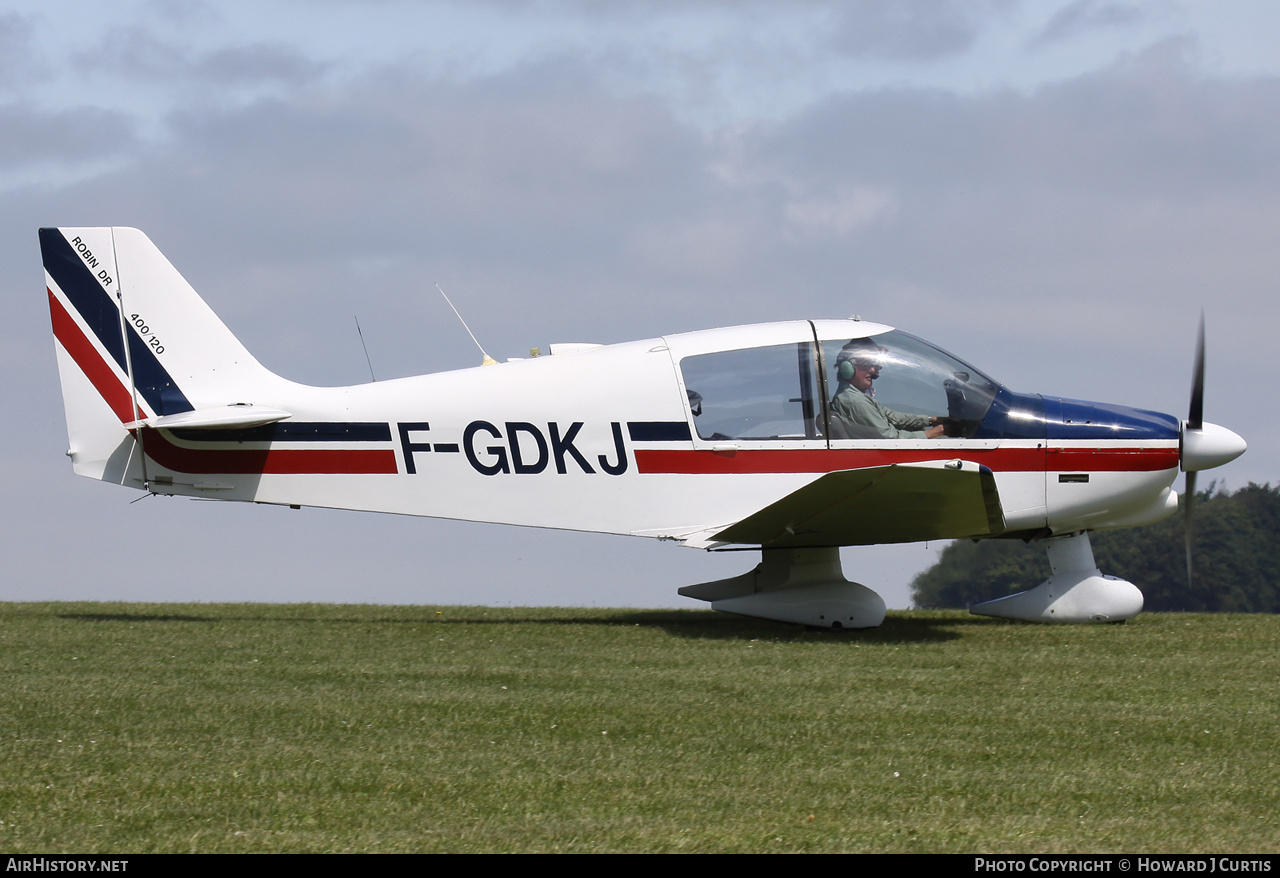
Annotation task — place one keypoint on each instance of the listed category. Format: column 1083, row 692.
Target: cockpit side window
column 768, row 393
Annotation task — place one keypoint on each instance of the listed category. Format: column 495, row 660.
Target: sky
column 1051, row 190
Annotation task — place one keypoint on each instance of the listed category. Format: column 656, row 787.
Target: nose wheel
column 1077, row 592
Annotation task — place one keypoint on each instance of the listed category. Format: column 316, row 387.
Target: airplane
column 792, row 439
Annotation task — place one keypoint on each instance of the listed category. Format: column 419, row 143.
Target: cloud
column 840, row 212
column 1087, row 219
column 904, row 30
column 61, row 140
column 1085, row 17
column 136, row 53
column 536, row 189
column 18, row 64
column 914, row 30
column 538, row 161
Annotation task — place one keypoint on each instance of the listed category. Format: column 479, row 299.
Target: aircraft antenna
column 366, row 348
column 128, row 364
column 488, row 360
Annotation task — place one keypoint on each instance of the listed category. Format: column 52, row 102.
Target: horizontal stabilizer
column 226, row 417
column 902, row 503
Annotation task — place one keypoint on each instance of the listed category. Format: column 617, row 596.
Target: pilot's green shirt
column 870, row 420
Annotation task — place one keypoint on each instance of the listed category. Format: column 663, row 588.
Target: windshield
column 908, row 376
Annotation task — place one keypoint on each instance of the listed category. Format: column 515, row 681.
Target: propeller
column 1195, row 423
column 1203, row 445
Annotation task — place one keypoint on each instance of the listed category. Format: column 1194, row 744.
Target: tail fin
column 137, row 346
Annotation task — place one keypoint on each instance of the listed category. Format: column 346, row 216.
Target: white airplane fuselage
column 715, row 437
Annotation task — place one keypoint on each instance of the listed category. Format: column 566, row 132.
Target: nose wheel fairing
column 1076, row 592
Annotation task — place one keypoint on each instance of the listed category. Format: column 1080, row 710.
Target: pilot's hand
column 950, row 426
column 935, row 431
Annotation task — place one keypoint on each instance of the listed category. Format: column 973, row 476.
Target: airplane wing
column 902, row 503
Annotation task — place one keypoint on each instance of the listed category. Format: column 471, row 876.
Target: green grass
column 135, row 728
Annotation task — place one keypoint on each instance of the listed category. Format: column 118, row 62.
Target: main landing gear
column 805, row 586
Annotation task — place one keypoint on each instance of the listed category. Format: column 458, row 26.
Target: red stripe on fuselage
column 1111, row 460
column 275, row 461
column 189, row 460
column 825, row 461
column 86, row 356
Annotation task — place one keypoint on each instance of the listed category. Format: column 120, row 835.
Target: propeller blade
column 1195, row 417
column 1195, row 421
column 1189, row 502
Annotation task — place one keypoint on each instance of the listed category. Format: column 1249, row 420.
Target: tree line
column 1236, row 544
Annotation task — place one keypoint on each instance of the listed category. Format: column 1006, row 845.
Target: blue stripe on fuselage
column 659, row 431
column 293, row 431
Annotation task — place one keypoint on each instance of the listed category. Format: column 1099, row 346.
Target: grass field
column 147, row 727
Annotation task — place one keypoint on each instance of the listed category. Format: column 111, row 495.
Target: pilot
column 857, row 366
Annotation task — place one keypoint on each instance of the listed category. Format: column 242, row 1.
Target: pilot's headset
column 857, row 350
column 847, row 362
column 846, row 369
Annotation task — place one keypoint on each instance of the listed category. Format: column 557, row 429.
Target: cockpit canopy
column 785, row 391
